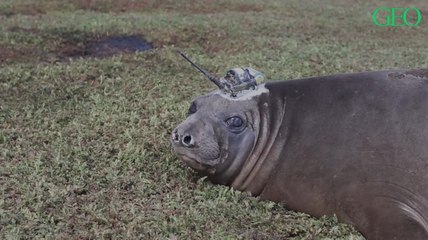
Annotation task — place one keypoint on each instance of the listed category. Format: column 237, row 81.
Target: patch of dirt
column 63, row 45
column 11, row 54
column 105, row 47
column 5, row 53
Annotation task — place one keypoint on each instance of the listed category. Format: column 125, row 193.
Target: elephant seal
column 354, row 145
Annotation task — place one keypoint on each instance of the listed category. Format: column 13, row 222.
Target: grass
column 84, row 142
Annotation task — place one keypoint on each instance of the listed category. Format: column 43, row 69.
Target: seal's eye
column 234, row 122
column 192, row 108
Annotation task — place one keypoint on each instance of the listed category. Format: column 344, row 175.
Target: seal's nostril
column 187, row 140
column 175, row 136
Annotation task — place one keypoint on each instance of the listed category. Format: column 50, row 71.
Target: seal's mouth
column 197, row 165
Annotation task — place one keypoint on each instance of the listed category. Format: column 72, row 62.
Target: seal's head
column 228, row 133
column 219, row 133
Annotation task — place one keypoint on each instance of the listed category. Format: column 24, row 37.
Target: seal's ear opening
column 206, row 74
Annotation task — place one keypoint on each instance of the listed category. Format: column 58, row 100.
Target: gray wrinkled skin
column 354, row 145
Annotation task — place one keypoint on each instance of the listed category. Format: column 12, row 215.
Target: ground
column 84, row 137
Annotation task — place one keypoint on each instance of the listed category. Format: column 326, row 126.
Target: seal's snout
column 185, row 140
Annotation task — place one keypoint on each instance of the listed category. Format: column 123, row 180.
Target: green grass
column 84, row 143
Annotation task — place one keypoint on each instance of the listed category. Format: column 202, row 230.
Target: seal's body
column 354, row 145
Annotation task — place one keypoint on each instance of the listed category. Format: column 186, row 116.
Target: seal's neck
column 270, row 140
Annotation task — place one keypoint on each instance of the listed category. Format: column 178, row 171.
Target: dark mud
column 109, row 46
